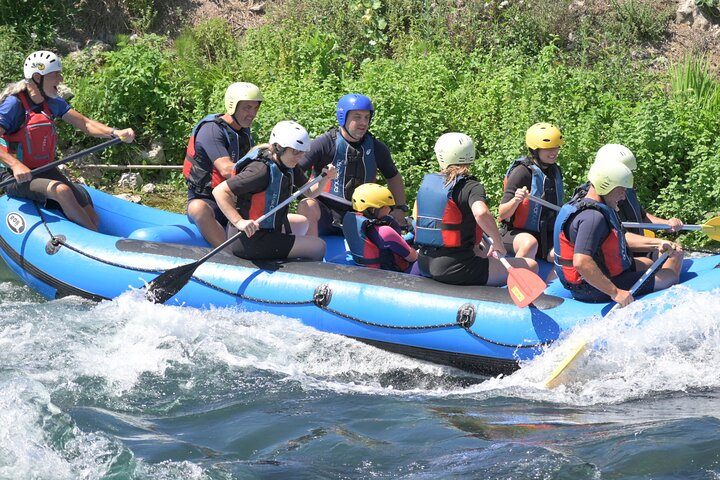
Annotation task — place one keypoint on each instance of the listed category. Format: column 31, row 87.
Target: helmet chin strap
column 349, row 135
column 236, row 120
column 40, row 86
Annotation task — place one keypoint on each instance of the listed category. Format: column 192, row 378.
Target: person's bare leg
column 310, row 209
column 63, row 195
column 525, row 245
column 669, row 274
column 312, row 248
column 298, row 224
column 204, row 219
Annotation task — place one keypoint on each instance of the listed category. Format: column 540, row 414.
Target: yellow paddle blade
column 712, row 228
column 648, row 233
column 553, row 380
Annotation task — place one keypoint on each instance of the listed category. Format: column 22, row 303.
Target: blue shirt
column 12, row 113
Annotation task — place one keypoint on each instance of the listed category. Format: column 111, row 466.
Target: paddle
column 167, row 284
column 553, row 380
column 524, row 285
column 67, row 159
column 711, row 228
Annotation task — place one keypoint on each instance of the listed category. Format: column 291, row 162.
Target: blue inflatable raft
column 473, row 328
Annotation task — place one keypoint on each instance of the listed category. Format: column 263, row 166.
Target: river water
column 126, row 389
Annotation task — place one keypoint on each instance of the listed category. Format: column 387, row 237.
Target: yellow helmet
column 614, row 152
column 371, row 195
column 543, row 135
column 608, row 175
column 241, row 91
column 454, row 149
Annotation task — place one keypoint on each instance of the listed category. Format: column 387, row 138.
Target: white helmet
column 42, row 62
column 290, row 134
column 605, row 176
column 454, row 149
column 614, row 152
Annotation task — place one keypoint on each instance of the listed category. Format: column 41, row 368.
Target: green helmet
column 605, row 176
column 614, row 152
column 371, row 195
column 543, row 135
column 241, row 91
column 454, row 149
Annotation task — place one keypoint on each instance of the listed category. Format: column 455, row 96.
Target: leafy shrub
column 12, row 55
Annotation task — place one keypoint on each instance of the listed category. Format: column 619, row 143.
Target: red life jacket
column 35, row 141
column 613, row 257
column 531, row 215
column 201, row 175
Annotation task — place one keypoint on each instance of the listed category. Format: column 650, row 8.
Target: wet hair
column 454, row 171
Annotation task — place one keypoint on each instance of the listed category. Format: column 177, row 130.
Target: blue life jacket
column 439, row 219
column 631, row 211
column 363, row 250
column 349, row 163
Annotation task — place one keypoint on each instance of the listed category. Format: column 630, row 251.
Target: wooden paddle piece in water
column 554, row 379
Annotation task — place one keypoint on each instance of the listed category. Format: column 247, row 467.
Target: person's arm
column 516, row 191
column 486, row 221
column 507, row 209
column 591, row 273
column 20, row 171
column 318, row 188
column 97, row 129
column 396, row 185
column 225, row 199
column 641, row 243
column 675, row 223
column 224, row 165
column 392, row 241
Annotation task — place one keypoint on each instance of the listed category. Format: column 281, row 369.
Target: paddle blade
column 712, row 228
column 166, row 285
column 554, row 379
column 525, row 286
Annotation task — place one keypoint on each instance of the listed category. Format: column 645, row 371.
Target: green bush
column 12, row 55
column 489, row 72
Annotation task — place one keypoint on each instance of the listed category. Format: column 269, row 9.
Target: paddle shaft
column 659, row 226
column 649, row 272
column 279, row 206
column 67, row 159
column 647, row 226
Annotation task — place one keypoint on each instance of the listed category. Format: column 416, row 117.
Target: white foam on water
column 120, row 341
column 664, row 344
column 667, row 344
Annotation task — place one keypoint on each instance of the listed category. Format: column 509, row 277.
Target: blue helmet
column 352, row 101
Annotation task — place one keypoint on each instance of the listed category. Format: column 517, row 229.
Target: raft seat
column 180, row 234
